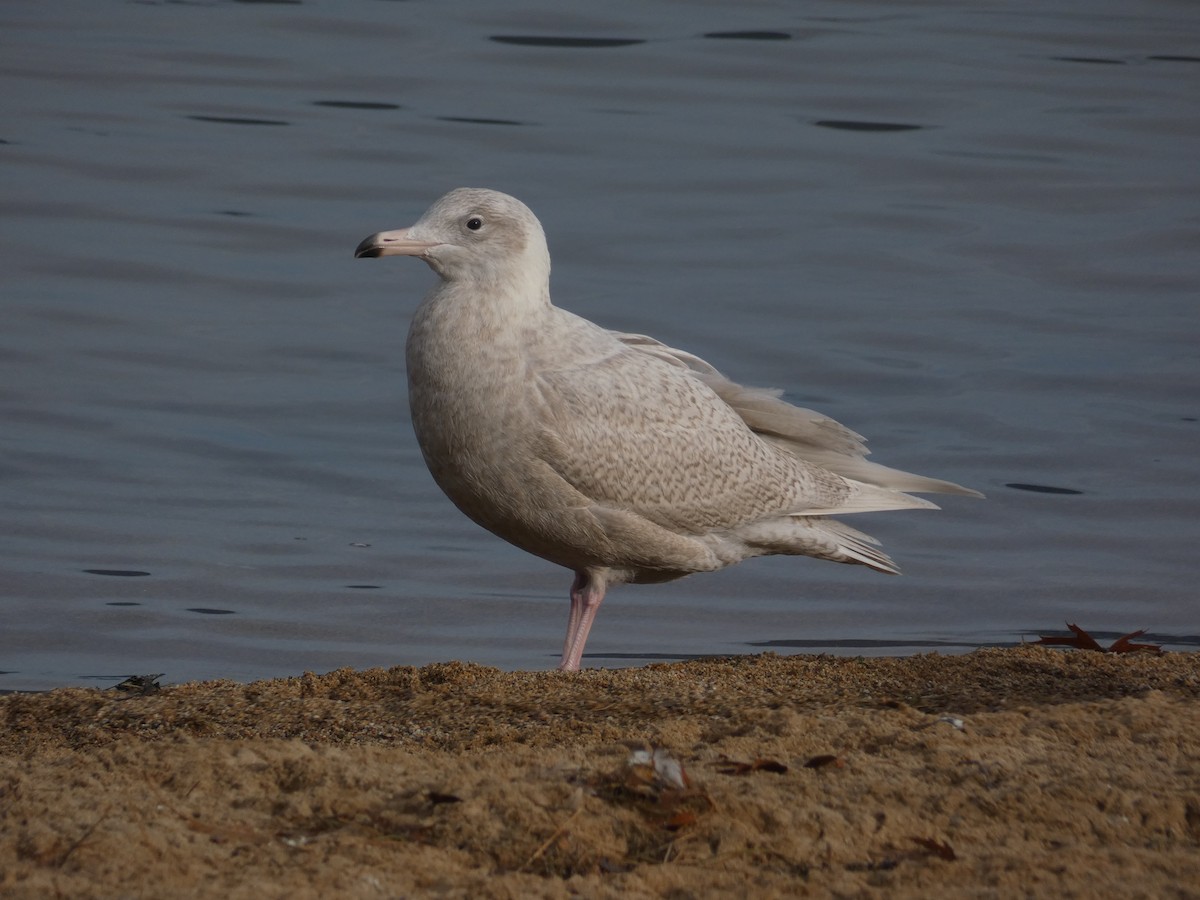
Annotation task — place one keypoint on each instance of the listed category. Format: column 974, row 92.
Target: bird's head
column 472, row 234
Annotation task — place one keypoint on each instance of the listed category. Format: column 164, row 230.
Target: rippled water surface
column 969, row 232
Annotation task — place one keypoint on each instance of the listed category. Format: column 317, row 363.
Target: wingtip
column 970, row 492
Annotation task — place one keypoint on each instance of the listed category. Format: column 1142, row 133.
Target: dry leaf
column 139, row 685
column 1084, row 641
column 681, row 819
column 770, row 765
column 825, row 759
column 938, row 848
column 734, row 767
column 1124, row 644
column 1081, row 641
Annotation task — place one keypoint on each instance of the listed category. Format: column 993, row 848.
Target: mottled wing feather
column 645, row 435
column 802, row 432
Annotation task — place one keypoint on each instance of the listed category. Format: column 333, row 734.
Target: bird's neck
column 477, row 317
column 494, row 294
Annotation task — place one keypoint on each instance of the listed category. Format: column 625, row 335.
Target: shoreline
column 996, row 772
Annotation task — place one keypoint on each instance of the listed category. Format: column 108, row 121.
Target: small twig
column 550, row 840
column 673, row 848
column 62, row 860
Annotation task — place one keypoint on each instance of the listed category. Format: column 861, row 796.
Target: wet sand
column 999, row 773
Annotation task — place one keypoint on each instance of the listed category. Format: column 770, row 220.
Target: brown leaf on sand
column 1081, row 641
column 1124, row 644
column 940, row 849
column 139, row 685
column 735, row 767
column 1084, row 641
column 681, row 819
column 824, row 760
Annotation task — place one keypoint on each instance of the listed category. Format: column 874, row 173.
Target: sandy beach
column 1024, row 772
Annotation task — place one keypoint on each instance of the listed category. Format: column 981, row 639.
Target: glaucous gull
column 612, row 454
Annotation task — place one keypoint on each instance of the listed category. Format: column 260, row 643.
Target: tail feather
column 856, row 547
column 817, row 537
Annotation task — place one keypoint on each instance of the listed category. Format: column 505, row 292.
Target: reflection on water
column 968, row 233
column 849, row 125
column 567, row 42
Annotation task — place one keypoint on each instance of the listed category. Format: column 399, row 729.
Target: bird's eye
column 474, row 223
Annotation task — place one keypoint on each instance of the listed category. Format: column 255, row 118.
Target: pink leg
column 586, row 593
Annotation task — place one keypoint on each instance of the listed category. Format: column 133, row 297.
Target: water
column 969, row 232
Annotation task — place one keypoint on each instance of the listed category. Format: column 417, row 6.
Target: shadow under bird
column 612, row 454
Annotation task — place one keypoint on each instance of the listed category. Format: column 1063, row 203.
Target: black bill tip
column 368, row 249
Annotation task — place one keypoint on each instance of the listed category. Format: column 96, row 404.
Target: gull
column 614, row 455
